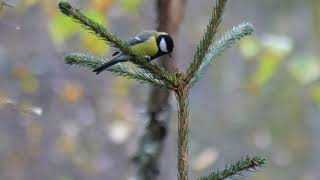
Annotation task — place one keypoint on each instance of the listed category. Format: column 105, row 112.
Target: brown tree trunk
column 170, row 14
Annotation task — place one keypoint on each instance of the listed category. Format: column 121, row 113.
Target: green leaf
column 96, row 16
column 315, row 93
column 274, row 49
column 89, row 40
column 131, row 6
column 249, row 47
column 267, row 64
column 305, row 69
column 28, row 3
column 62, row 28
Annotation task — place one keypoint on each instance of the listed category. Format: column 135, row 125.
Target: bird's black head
column 165, row 44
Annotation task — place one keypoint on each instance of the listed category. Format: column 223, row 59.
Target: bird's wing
column 141, row 37
column 138, row 39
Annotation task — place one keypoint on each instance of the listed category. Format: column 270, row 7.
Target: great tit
column 150, row 44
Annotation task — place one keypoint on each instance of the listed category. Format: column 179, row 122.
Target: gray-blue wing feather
column 138, row 39
column 141, row 37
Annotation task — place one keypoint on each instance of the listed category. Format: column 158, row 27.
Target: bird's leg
column 148, row 58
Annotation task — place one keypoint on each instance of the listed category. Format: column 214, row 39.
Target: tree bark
column 182, row 98
column 170, row 15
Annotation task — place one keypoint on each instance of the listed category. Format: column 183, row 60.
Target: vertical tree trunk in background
column 316, row 16
column 170, row 14
column 314, row 113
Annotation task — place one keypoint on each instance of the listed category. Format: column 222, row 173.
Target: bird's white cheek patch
column 163, row 46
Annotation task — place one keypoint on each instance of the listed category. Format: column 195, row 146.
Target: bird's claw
column 148, row 58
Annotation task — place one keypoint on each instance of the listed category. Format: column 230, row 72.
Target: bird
column 151, row 44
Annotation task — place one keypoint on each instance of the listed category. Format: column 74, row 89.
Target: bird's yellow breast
column 147, row 48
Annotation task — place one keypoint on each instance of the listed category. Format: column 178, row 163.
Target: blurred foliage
column 249, row 47
column 62, row 29
column 279, row 123
column 315, row 93
column 316, row 16
column 66, row 144
column 72, row 92
column 121, row 86
column 268, row 52
column 28, row 82
column 131, row 6
column 4, row 5
column 101, row 5
column 305, row 69
column 28, row 3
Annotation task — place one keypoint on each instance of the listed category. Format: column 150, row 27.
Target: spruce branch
column 180, row 83
column 244, row 165
column 216, row 48
column 112, row 40
column 207, row 39
column 121, row 69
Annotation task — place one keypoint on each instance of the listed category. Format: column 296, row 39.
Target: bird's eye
column 163, row 45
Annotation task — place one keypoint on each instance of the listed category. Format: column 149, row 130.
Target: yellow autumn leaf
column 66, row 144
column 49, row 7
column 131, row 6
column 28, row 82
column 305, row 69
column 101, row 5
column 268, row 63
column 93, row 44
column 28, row 3
column 315, row 93
column 121, row 86
column 91, row 41
column 249, row 47
column 276, row 49
column 61, row 28
column 72, row 92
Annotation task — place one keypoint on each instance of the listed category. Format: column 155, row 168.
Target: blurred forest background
column 65, row 123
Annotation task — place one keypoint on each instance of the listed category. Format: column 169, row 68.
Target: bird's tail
column 109, row 64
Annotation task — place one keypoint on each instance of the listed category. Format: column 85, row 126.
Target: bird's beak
column 170, row 55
